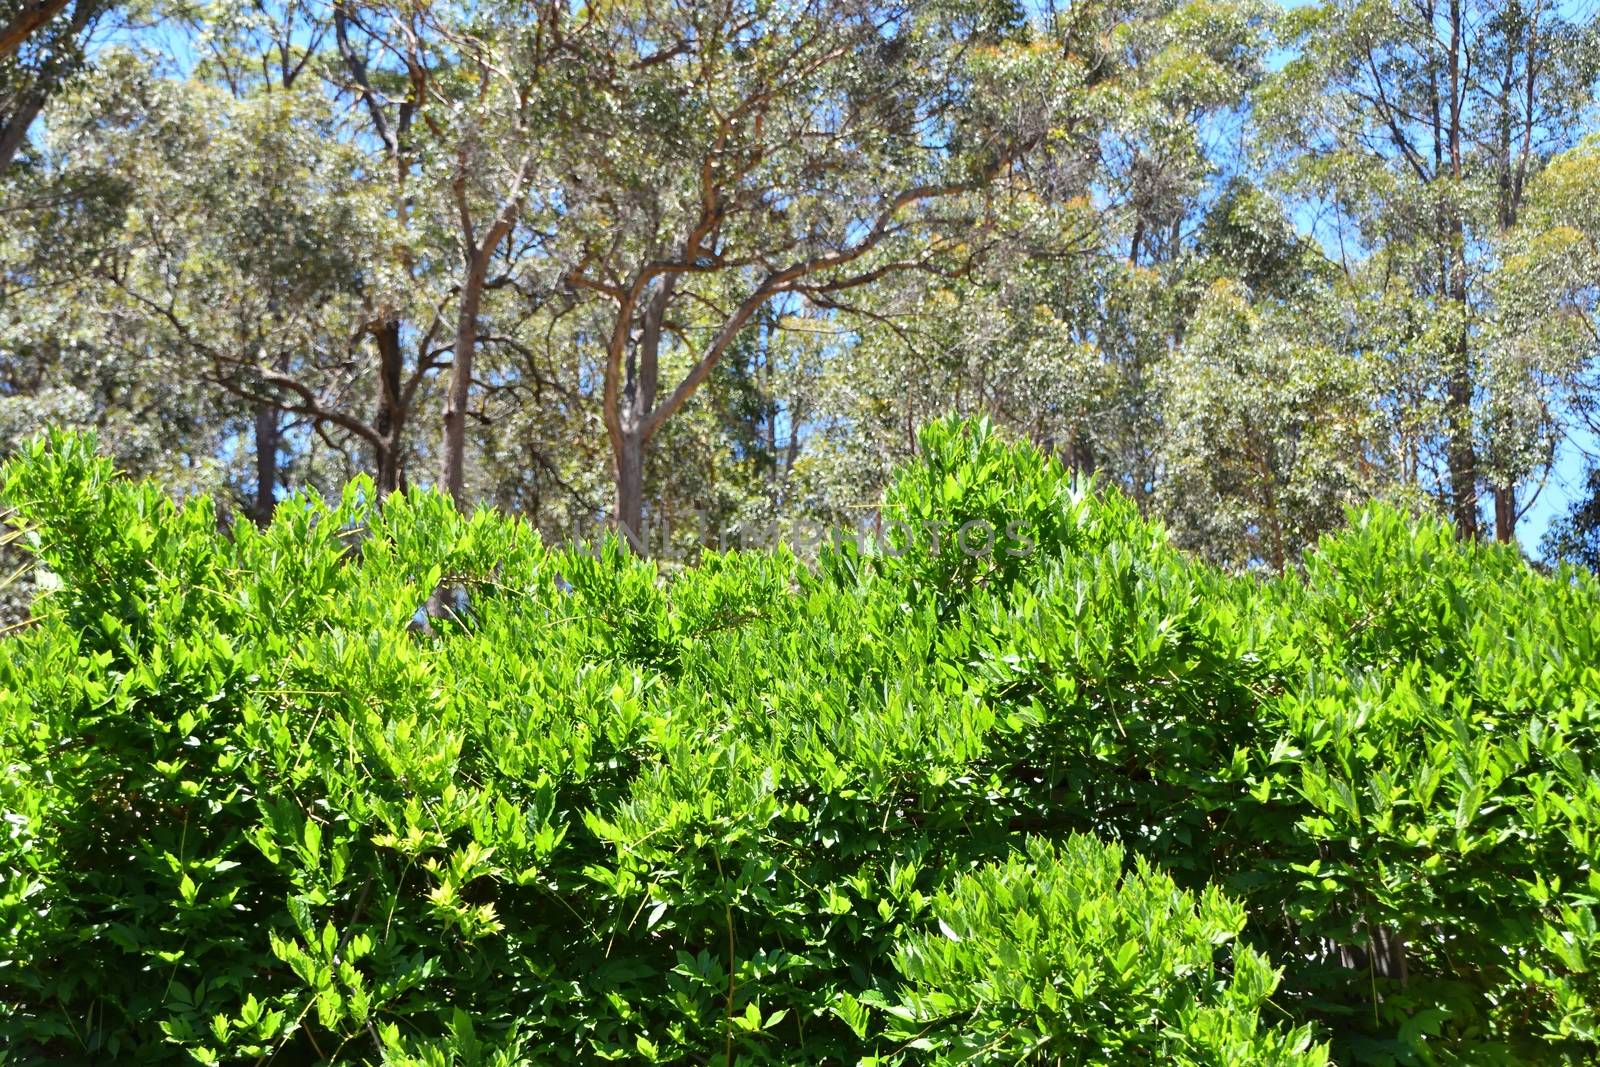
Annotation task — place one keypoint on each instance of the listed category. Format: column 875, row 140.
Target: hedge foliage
column 1061, row 802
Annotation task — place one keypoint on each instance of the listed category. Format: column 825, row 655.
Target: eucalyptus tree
column 405, row 151
column 1180, row 75
column 236, row 250
column 1271, row 430
column 1421, row 124
column 237, row 225
column 741, row 153
column 67, row 359
column 409, row 90
column 1548, row 281
column 489, row 119
column 254, row 51
column 1549, row 284
column 1012, row 339
column 64, row 362
column 1062, row 330
column 380, row 72
column 465, row 106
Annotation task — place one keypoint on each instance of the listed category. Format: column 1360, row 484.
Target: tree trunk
column 1505, row 513
column 480, row 255
column 1463, row 461
column 268, row 435
column 387, row 474
column 452, row 474
column 35, row 16
column 1389, row 954
column 1461, row 452
column 629, row 454
column 630, row 432
column 1462, row 458
column 390, row 422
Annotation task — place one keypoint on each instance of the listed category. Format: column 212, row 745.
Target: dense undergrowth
column 1080, row 800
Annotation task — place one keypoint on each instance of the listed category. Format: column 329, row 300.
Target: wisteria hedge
column 1072, row 798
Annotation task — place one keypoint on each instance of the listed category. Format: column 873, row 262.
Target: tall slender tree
column 494, row 99
column 1421, row 122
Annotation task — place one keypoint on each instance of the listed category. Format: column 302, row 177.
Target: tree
column 490, row 107
column 1575, row 537
column 397, row 261
column 658, row 259
column 236, row 249
column 1421, row 123
column 1267, row 432
column 67, row 358
column 242, row 222
column 754, row 151
column 1549, row 282
column 1062, row 330
column 467, row 107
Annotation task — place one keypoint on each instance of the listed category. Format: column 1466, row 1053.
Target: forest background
column 704, row 268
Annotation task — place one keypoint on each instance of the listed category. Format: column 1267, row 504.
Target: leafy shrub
column 252, row 811
column 1056, row 954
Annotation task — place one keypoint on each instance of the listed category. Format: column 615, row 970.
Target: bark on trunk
column 629, row 453
column 1389, row 955
column 388, row 470
column 480, row 255
column 390, row 422
column 452, row 474
column 14, row 130
column 1462, row 456
column 630, row 429
column 1505, row 513
column 268, row 435
column 30, row 20
column 1461, row 451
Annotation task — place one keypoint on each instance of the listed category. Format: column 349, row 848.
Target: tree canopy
column 698, row 270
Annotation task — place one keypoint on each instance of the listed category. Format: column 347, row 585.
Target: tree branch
column 32, row 18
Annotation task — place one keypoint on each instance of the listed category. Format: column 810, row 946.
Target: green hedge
column 772, row 814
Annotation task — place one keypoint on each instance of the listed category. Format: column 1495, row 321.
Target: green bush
column 764, row 813
column 1056, row 955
